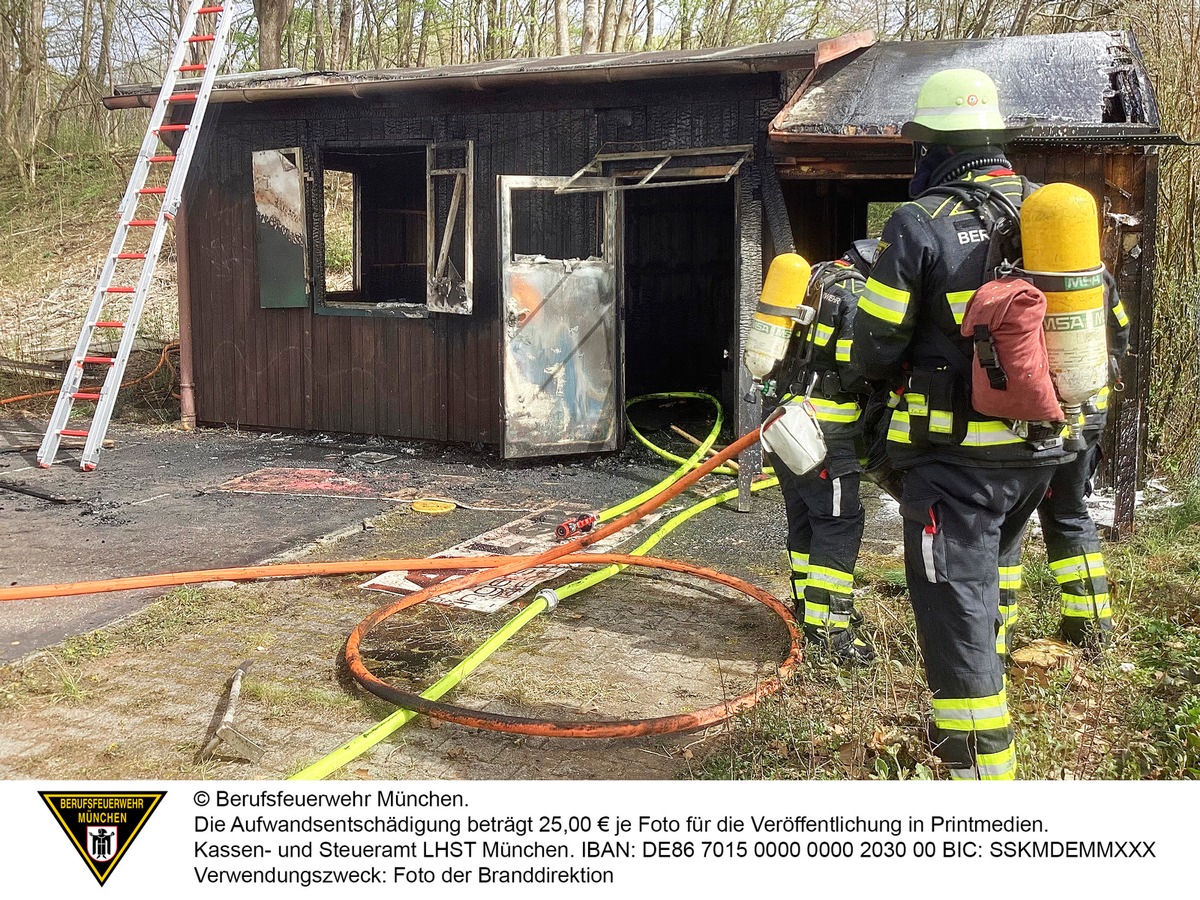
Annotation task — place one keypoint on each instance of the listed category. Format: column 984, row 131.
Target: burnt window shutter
column 280, row 232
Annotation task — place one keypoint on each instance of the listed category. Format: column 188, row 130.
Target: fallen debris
column 22, row 488
column 229, row 740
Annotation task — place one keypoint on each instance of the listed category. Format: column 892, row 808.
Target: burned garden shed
column 525, row 242
column 503, row 252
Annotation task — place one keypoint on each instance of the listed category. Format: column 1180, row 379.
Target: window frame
column 322, row 304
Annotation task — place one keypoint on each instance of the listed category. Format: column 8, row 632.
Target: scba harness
column 1006, row 366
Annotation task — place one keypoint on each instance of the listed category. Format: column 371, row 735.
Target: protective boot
column 846, row 647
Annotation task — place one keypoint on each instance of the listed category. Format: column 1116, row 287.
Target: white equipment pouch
column 793, row 436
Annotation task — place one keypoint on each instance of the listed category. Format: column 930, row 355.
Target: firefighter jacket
column 838, row 390
column 931, row 259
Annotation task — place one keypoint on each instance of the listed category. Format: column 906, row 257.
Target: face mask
column 926, row 160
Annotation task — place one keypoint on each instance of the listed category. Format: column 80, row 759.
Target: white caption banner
column 532, row 839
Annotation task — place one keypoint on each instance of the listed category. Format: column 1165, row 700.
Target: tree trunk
column 562, row 34
column 340, row 45
column 423, row 46
column 591, row 23
column 608, row 25
column 22, row 108
column 272, row 18
column 621, row 38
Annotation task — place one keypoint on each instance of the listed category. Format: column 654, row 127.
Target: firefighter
column 1072, row 544
column 825, row 515
column 970, row 482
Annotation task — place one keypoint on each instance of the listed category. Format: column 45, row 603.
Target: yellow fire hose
column 547, row 599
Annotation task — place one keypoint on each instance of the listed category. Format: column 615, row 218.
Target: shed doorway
column 681, row 318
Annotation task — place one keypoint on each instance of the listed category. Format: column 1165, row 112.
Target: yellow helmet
column 960, row 107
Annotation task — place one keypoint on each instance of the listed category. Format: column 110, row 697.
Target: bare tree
column 621, row 38
column 608, row 25
column 272, row 18
column 562, row 29
column 22, row 81
column 591, row 23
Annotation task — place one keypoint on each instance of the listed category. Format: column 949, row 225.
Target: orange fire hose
column 162, row 361
column 489, row 568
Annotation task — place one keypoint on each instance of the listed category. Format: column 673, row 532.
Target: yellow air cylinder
column 1060, row 241
column 773, row 323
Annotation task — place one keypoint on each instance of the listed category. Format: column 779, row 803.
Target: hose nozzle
column 581, row 524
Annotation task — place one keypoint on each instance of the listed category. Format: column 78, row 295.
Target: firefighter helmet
column 960, row 107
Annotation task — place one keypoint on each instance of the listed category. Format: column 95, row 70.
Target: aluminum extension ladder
column 125, row 257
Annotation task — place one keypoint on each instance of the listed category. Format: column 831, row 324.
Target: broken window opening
column 340, row 249
column 373, row 232
column 450, row 227
column 553, row 226
column 877, row 215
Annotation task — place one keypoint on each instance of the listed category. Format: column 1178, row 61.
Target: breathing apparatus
column 783, row 310
column 1059, row 235
column 787, row 308
column 1060, row 240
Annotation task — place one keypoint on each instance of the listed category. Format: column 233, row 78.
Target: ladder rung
column 119, row 290
column 131, row 256
column 193, row 67
column 72, row 432
column 170, row 128
column 110, row 324
column 107, row 360
column 161, row 159
column 85, row 397
column 152, row 190
column 209, row 10
column 201, row 38
column 143, row 223
column 182, row 98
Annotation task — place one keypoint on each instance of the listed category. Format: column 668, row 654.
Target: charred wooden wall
column 435, row 378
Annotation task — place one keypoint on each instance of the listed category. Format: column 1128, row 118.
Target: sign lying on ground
column 526, row 536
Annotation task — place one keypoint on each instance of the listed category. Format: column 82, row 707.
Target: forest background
column 59, row 57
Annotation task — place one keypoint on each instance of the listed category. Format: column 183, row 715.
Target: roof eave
column 607, row 68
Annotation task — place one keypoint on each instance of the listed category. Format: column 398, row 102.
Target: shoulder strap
column 1002, row 220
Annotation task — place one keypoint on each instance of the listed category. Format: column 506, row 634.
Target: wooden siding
column 435, row 378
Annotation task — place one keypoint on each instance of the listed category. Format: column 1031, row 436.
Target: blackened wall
column 435, row 378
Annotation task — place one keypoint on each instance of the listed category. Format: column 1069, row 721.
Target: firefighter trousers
column 959, row 523
column 825, row 528
column 1073, row 548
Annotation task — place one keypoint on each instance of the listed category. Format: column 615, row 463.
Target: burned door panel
column 280, row 229
column 561, row 371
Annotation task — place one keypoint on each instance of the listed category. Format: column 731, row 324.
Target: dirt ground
column 136, row 699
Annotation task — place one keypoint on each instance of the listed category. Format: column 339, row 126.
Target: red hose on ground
column 162, row 361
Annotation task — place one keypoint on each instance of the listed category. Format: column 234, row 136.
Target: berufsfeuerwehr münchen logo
column 101, row 825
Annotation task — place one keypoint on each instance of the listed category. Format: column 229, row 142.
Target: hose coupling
column 550, row 597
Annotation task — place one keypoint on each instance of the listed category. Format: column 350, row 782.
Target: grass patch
column 291, row 697
column 1129, row 712
column 60, row 675
column 186, row 610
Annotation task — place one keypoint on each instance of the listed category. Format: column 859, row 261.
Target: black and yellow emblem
column 101, row 825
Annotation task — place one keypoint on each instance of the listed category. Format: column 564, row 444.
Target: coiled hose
column 488, row 568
